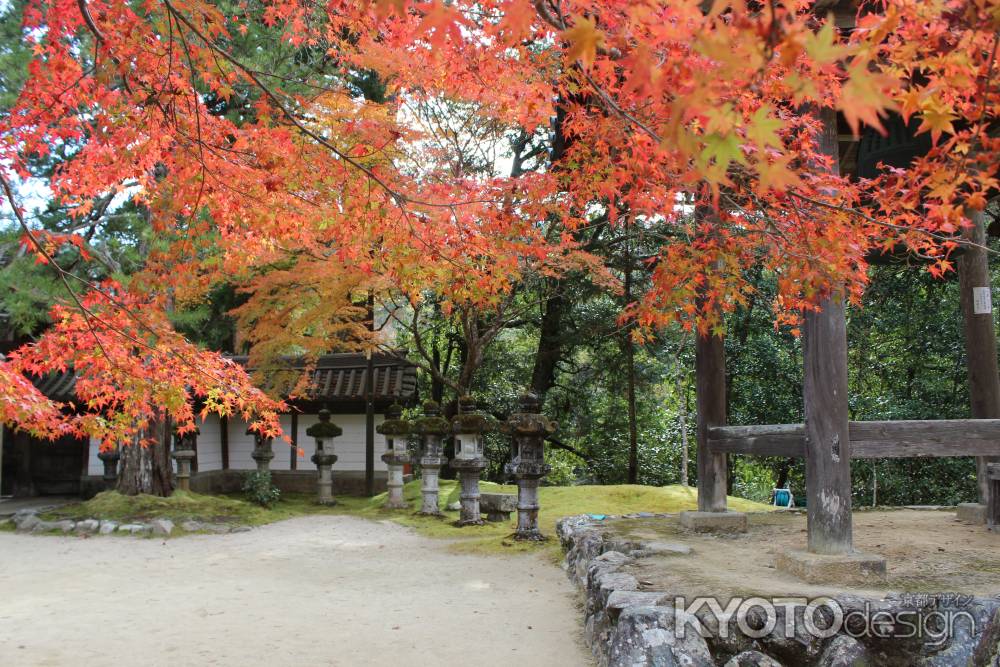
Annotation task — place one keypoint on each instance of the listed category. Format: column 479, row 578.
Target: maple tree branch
column 883, row 223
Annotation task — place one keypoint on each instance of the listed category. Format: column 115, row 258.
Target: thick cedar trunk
column 549, row 351
column 682, row 413
column 147, row 469
column 633, row 431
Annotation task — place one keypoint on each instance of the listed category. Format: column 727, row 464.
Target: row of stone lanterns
column 527, row 428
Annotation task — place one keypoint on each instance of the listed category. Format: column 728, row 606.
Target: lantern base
column 461, row 523
column 529, row 536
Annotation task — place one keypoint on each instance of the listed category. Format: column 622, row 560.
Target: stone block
column 133, row 528
column 973, row 513
column 752, row 659
column 162, row 527
column 714, row 522
column 497, row 506
column 27, row 522
column 107, row 527
column 87, row 526
column 620, row 600
column 850, row 569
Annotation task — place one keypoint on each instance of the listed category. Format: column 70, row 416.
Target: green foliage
column 565, row 467
column 14, row 54
column 258, row 488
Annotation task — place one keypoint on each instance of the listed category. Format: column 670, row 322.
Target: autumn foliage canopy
column 313, row 192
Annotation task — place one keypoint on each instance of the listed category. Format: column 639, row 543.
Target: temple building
column 223, row 451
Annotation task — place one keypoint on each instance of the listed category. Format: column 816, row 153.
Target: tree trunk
column 633, row 430
column 549, row 351
column 682, row 413
column 147, row 469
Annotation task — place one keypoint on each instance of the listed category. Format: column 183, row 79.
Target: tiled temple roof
column 337, row 378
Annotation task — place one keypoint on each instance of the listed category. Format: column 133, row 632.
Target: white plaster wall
column 209, row 444
column 94, row 465
column 349, row 448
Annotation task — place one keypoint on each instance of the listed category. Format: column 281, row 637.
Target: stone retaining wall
column 626, row 625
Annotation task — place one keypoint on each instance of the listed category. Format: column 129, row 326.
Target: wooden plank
column 869, row 440
column 980, row 335
column 788, row 440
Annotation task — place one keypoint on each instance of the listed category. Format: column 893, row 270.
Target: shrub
column 258, row 488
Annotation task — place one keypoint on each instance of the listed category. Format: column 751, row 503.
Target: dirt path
column 312, row 591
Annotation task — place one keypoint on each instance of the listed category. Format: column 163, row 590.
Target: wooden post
column 980, row 336
column 993, row 509
column 824, row 388
column 294, row 463
column 224, row 441
column 710, row 392
column 370, row 405
column 828, row 441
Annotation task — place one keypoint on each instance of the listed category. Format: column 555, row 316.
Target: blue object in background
column 783, row 498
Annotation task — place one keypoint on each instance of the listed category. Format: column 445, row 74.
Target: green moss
column 556, row 502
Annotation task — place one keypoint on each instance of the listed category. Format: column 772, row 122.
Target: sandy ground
column 325, row 590
column 925, row 551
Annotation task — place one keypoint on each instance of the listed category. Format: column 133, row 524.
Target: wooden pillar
column 993, row 509
column 980, row 336
column 370, row 427
column 710, row 392
column 224, row 441
column 294, row 463
column 824, row 387
column 828, row 441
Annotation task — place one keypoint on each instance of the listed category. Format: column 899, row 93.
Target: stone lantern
column 468, row 427
column 528, row 429
column 262, row 452
column 324, row 431
column 184, row 453
column 110, row 458
column 396, row 431
column 431, row 428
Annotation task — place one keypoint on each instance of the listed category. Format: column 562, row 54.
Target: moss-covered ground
column 556, row 502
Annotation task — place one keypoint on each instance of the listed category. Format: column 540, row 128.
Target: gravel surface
column 324, row 590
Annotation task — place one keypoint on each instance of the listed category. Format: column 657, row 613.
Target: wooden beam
column 869, row 440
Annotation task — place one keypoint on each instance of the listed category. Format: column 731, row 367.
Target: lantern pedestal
column 324, row 482
column 431, row 427
column 468, row 477
column 394, row 497
column 183, row 458
column 528, row 429
column 430, row 471
column 109, row 457
column 528, row 476
column 396, row 431
column 323, row 431
column 262, row 452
